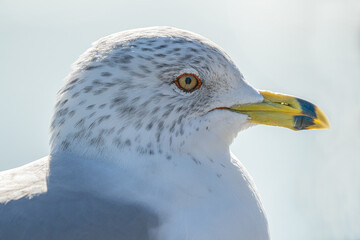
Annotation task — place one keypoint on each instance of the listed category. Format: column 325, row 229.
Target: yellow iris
column 188, row 82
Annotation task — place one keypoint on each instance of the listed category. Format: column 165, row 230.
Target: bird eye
column 188, row 82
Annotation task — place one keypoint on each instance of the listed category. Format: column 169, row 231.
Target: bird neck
column 201, row 145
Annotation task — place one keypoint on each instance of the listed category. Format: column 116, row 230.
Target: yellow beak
column 284, row 111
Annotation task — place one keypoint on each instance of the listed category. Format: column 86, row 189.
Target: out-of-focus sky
column 309, row 181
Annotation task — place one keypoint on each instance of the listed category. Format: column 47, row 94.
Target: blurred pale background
column 309, row 181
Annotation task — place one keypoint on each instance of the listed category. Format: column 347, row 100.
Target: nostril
column 286, row 104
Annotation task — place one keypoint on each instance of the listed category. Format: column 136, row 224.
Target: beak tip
column 312, row 117
column 322, row 122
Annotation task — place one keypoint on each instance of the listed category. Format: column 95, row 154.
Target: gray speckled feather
column 133, row 157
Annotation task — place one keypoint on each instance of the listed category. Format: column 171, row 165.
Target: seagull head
column 160, row 90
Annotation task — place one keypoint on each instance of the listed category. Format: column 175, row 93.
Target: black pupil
column 188, row 80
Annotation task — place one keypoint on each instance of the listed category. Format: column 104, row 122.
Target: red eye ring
column 183, row 83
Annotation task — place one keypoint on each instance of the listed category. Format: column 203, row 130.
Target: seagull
column 139, row 146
